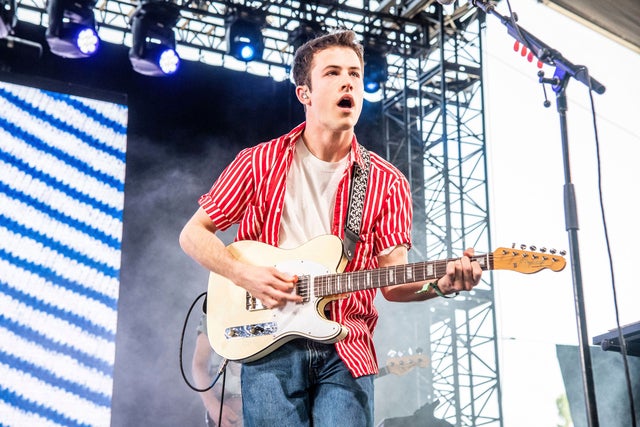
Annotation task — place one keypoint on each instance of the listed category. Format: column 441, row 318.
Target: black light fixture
column 153, row 51
column 375, row 69
column 8, row 19
column 307, row 30
column 11, row 47
column 71, row 32
column 244, row 34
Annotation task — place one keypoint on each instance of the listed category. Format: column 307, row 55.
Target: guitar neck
column 382, row 372
column 335, row 284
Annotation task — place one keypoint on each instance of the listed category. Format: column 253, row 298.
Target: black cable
column 223, row 365
column 224, row 380
column 623, row 343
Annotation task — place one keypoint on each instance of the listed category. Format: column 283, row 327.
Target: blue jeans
column 305, row 383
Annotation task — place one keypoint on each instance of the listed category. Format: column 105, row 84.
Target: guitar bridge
column 253, row 303
column 302, row 288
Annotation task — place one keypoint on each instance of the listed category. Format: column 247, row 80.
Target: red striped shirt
column 250, row 192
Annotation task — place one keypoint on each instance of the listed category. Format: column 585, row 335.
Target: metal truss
column 402, row 31
column 434, row 132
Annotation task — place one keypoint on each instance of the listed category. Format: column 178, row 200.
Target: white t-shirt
column 309, row 197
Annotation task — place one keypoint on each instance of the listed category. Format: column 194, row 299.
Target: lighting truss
column 408, row 31
column 434, row 131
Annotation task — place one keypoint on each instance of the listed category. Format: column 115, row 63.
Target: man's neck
column 329, row 146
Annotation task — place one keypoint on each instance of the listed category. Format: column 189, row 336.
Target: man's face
column 338, row 89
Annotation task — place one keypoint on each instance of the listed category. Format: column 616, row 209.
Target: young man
column 289, row 190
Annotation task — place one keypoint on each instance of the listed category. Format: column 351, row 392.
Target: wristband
column 434, row 285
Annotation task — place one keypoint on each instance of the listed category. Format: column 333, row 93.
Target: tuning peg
column 552, row 251
column 532, row 248
column 563, row 252
column 543, row 249
column 523, row 247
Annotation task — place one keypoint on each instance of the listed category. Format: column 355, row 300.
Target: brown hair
column 304, row 55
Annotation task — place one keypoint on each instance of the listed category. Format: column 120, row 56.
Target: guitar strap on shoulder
column 357, row 191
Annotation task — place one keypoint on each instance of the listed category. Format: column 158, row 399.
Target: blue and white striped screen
column 62, row 171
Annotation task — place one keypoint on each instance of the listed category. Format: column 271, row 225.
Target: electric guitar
column 241, row 328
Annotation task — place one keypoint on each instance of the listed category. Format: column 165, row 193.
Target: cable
column 224, row 380
column 223, row 365
column 623, row 343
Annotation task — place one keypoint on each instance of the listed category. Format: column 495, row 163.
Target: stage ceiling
column 616, row 19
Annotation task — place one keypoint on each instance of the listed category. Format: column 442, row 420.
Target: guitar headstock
column 528, row 261
column 402, row 364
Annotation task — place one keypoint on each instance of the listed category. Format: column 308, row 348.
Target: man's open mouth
column 345, row 102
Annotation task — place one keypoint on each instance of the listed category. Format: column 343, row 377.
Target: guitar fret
column 381, row 279
column 408, row 273
column 319, row 285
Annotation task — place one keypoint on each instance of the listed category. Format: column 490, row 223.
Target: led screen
column 62, row 172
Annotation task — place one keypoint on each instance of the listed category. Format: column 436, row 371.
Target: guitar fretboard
column 334, row 284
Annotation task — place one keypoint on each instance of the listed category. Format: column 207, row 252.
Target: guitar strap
column 357, row 191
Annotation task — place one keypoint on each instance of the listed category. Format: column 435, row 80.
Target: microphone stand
column 564, row 71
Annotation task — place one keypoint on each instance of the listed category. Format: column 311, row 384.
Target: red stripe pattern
column 250, row 192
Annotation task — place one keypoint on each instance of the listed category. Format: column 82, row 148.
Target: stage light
column 71, row 32
column 8, row 19
column 307, row 30
column 375, row 70
column 244, row 34
column 153, row 51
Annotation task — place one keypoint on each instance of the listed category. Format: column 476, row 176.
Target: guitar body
column 241, row 329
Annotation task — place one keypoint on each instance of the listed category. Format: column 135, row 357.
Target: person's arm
column 202, row 378
column 198, row 239
column 200, row 368
column 461, row 275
